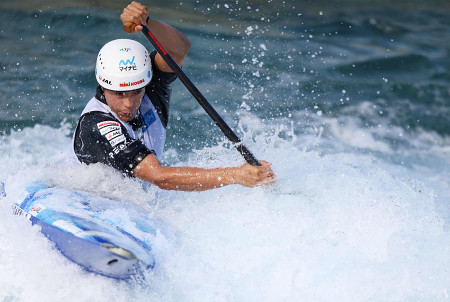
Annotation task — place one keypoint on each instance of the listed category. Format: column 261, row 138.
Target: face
column 124, row 103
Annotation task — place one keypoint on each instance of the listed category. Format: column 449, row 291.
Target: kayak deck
column 95, row 244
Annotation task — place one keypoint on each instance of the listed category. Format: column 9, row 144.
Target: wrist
column 233, row 175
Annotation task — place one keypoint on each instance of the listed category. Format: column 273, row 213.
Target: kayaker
column 124, row 125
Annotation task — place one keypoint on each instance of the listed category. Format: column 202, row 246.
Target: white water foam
column 336, row 227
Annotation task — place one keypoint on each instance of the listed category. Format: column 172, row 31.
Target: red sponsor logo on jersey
column 107, row 123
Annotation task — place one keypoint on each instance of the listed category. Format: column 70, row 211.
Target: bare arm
column 198, row 179
column 174, row 41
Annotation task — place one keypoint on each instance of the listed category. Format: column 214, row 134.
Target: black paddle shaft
column 248, row 156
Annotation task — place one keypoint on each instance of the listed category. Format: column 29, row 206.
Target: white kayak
column 78, row 227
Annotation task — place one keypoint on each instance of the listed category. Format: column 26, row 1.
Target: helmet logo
column 100, row 78
column 125, row 49
column 127, row 65
column 130, row 84
column 127, row 62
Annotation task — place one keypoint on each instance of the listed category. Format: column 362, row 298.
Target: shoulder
column 101, row 138
column 99, row 119
column 97, row 124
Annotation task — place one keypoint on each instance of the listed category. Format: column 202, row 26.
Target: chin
column 125, row 118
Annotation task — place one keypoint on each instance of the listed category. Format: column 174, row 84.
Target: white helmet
column 123, row 65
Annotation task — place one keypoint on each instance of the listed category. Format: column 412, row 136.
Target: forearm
column 192, row 179
column 184, row 178
column 199, row 179
column 173, row 41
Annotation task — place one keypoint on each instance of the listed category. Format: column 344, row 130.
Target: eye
column 138, row 91
column 120, row 93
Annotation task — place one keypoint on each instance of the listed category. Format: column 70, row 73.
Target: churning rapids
column 350, row 103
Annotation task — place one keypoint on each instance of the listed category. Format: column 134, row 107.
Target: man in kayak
column 124, row 125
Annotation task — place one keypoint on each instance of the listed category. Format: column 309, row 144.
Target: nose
column 127, row 102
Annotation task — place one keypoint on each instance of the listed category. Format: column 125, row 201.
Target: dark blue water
column 350, row 100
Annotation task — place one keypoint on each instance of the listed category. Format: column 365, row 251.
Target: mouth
column 125, row 116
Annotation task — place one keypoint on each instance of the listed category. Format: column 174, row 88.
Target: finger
column 127, row 16
column 138, row 10
column 264, row 169
column 272, row 175
column 137, row 4
column 267, row 182
column 143, row 8
column 265, row 163
column 133, row 16
column 269, row 174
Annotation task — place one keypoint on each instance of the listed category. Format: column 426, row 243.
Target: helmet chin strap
column 99, row 95
column 136, row 122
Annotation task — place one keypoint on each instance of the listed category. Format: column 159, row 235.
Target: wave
column 334, row 220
